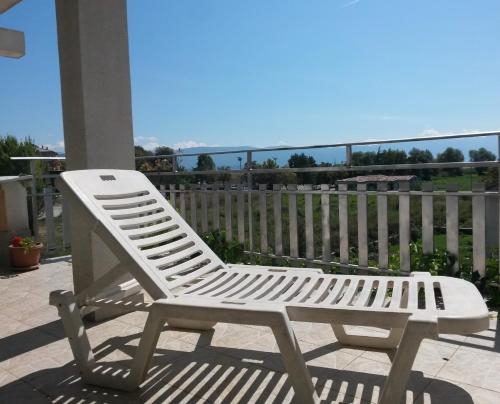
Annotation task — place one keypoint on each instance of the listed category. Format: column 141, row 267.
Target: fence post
column 278, row 226
column 309, row 223
column 362, row 225
column 172, row 195
column 204, row 209
column 250, row 211
column 325, row 223
column 182, row 200
column 452, row 230
column 404, row 226
column 382, row 222
column 292, row 220
column 216, row 206
column 49, row 218
column 343, row 224
column 427, row 219
column 478, row 228
column 194, row 207
column 174, row 164
column 241, row 214
column 228, row 211
column 34, row 202
column 263, row 218
column 348, row 155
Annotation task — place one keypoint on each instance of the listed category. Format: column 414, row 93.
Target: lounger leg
column 147, row 345
column 75, row 331
column 389, row 342
column 104, row 375
column 294, row 362
column 415, row 331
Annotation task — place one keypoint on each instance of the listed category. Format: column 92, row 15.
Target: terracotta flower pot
column 25, row 260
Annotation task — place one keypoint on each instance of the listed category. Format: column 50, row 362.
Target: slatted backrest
column 139, row 223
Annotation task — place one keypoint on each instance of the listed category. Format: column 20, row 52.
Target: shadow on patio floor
column 215, row 374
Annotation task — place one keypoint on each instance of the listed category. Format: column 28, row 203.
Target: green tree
column 363, row 158
column 389, row 157
column 419, row 156
column 302, row 161
column 451, row 155
column 204, row 163
column 143, row 164
column 481, row 154
column 381, row 157
column 163, row 151
column 164, row 163
column 268, row 178
column 10, row 147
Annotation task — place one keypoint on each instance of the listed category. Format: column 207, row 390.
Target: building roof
column 45, row 151
column 379, row 178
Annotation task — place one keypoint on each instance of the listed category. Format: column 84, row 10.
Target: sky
column 268, row 72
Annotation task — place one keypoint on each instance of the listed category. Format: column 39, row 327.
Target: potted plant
column 25, row 253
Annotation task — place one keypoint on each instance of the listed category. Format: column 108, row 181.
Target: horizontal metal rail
column 337, row 168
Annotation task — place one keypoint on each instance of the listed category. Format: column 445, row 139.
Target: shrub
column 228, row 251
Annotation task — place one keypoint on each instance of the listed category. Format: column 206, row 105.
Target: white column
column 97, row 112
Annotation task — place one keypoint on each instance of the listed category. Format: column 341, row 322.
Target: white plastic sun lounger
column 192, row 287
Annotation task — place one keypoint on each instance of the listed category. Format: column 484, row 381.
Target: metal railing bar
column 337, row 168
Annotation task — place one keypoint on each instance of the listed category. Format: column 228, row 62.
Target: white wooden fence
column 273, row 223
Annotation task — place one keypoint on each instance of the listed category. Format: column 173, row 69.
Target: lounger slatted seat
column 192, row 287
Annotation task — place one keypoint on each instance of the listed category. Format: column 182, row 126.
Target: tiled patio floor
column 229, row 364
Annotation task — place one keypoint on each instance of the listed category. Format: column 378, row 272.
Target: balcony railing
column 326, row 224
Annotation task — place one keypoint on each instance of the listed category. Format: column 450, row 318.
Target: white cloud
column 148, row 142
column 435, row 132
column 186, row 144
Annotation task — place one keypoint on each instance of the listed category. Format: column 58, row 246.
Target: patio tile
column 370, row 376
column 136, row 319
column 474, row 368
column 457, row 393
column 6, row 378
column 319, row 334
column 193, row 337
column 21, row 392
column 430, row 358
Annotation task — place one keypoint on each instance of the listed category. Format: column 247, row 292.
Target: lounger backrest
column 138, row 222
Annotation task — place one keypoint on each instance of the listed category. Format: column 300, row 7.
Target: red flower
column 16, row 241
